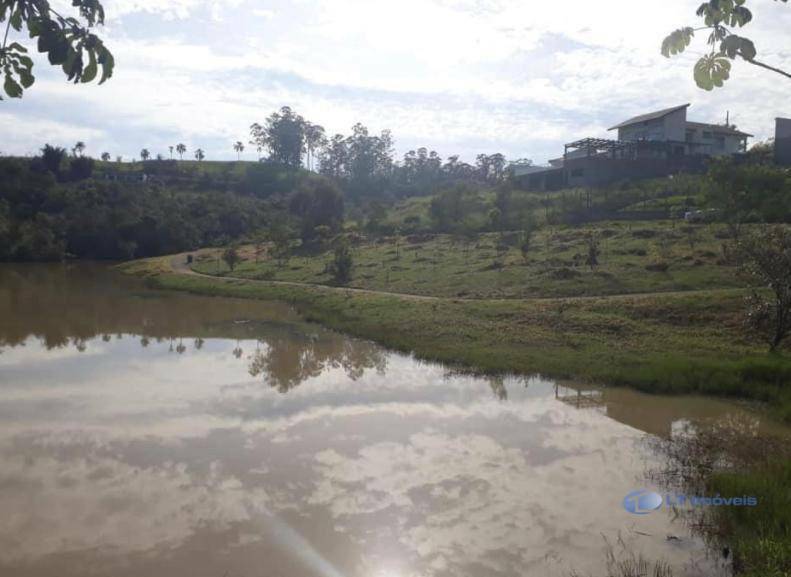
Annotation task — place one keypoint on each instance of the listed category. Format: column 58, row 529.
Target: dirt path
column 179, row 265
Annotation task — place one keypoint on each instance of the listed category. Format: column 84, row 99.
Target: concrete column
column 783, row 142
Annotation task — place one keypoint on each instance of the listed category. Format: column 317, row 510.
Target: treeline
column 364, row 164
column 49, row 215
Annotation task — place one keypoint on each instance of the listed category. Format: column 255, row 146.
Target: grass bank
column 633, row 257
column 671, row 343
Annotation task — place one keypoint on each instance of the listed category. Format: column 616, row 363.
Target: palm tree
column 181, row 149
column 171, row 151
column 144, row 154
column 106, row 156
column 78, row 148
column 199, row 154
column 239, row 148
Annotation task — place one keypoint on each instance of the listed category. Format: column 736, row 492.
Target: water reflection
column 150, row 434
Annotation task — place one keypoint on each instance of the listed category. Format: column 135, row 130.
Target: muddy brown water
column 151, row 433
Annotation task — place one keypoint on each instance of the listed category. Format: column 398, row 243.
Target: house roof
column 650, row 116
column 720, row 128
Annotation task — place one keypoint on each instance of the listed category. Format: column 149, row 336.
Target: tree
column 765, row 258
column 283, row 134
column 181, row 149
column 314, row 139
column 171, row 151
column 239, row 148
column 68, row 42
column 199, row 155
column 592, row 260
column 526, row 238
column 342, row 263
column 334, row 157
column 317, row 202
column 80, row 168
column 721, row 17
column 280, row 235
column 231, row 257
column 52, row 157
column 106, row 156
column 145, row 154
column 79, row 148
column 744, row 192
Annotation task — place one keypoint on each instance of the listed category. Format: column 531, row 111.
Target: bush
column 342, row 263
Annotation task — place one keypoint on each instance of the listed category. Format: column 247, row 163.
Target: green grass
column 632, row 260
column 761, row 535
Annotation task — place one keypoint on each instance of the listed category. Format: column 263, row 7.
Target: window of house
column 690, row 135
column 706, row 134
column 720, row 142
column 578, row 172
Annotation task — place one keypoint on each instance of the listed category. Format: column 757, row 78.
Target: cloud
column 460, row 76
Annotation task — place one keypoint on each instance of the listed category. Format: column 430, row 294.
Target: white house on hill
column 671, row 126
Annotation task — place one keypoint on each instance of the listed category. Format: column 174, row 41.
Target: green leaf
column 58, row 53
column 11, row 87
column 748, row 51
column 712, row 71
column 677, row 41
column 90, row 71
column 73, row 65
column 108, row 63
column 16, row 23
column 734, row 46
column 26, row 77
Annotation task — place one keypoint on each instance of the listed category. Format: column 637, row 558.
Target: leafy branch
column 720, row 17
column 67, row 41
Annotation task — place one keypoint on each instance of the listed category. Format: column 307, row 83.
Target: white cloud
column 456, row 75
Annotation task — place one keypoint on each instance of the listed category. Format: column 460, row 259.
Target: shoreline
column 658, row 343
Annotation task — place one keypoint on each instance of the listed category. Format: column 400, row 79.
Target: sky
column 520, row 77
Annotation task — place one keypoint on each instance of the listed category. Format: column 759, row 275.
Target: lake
column 152, row 433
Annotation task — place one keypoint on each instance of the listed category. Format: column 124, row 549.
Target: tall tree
column 720, row 17
column 283, row 134
column 79, row 148
column 145, row 154
column 106, row 156
column 181, row 149
column 314, row 140
column 369, row 159
column 239, row 148
column 200, row 155
column 68, row 42
column 334, row 157
column 171, row 151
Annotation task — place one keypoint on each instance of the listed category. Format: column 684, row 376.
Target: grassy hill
column 634, row 257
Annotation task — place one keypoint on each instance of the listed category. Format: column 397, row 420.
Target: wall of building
column 601, row 171
column 783, row 141
column 714, row 141
column 670, row 127
column 676, row 125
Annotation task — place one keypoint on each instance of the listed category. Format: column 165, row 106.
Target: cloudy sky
column 459, row 76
